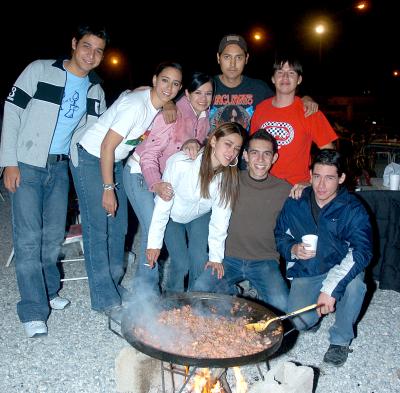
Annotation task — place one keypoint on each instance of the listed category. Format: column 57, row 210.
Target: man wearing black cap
column 235, row 91
column 232, row 88
column 236, row 95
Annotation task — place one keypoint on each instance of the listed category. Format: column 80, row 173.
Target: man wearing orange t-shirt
column 283, row 117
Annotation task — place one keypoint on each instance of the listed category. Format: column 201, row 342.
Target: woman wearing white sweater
column 205, row 190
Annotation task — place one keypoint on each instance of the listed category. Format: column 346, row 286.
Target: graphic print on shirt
column 72, row 105
column 232, row 107
column 137, row 141
column 283, row 132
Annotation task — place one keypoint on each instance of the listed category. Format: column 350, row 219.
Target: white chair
column 74, row 235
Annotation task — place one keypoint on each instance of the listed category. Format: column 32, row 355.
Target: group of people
column 220, row 225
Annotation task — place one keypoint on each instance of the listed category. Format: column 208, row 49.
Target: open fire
column 205, row 382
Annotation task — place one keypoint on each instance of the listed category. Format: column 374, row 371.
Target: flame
column 241, row 385
column 202, row 383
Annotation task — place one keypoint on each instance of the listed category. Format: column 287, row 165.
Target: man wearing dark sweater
column 250, row 251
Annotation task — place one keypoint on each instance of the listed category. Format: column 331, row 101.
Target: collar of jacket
column 341, row 196
column 93, row 77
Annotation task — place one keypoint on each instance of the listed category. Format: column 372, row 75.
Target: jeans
column 103, row 237
column 263, row 275
column 142, row 201
column 187, row 255
column 305, row 291
column 39, row 210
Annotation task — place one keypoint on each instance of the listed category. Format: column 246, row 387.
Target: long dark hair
column 229, row 184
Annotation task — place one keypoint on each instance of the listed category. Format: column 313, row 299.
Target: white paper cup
column 311, row 240
column 394, row 181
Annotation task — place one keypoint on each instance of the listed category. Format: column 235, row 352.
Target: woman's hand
column 164, row 190
column 191, row 148
column 217, row 268
column 109, row 202
column 152, row 255
column 169, row 112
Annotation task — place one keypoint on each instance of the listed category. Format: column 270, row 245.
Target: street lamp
column 361, row 6
column 320, row 30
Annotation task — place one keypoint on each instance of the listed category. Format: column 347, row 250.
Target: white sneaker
column 59, row 303
column 35, row 328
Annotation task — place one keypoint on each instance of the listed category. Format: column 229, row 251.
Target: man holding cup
column 329, row 272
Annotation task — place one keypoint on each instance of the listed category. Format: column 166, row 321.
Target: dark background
column 359, row 52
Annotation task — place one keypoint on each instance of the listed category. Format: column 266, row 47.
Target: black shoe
column 337, row 354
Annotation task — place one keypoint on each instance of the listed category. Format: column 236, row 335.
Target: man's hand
column 164, row 190
column 217, row 268
column 297, row 190
column 152, row 255
column 191, row 148
column 12, row 178
column 169, row 112
column 326, row 304
column 310, row 106
column 301, row 253
column 109, row 202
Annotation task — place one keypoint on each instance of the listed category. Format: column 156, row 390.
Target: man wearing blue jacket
column 333, row 275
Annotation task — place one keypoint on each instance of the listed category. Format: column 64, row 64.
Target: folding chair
column 74, row 235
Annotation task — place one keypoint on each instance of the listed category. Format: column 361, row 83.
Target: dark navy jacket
column 344, row 239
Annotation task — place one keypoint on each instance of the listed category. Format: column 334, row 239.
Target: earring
column 237, row 161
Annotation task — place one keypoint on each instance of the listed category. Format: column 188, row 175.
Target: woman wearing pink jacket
column 143, row 171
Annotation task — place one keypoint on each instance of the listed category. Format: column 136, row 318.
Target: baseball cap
column 232, row 39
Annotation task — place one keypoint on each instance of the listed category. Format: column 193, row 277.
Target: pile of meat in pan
column 184, row 331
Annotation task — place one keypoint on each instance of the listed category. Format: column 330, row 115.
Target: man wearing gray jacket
column 51, row 103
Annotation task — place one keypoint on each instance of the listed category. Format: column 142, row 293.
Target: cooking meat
column 184, row 331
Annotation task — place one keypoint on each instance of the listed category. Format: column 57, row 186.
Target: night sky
column 359, row 51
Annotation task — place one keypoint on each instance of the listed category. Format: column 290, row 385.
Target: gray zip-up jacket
column 31, row 111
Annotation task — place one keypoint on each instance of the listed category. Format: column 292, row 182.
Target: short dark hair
column 98, row 31
column 282, row 59
column 264, row 136
column 329, row 157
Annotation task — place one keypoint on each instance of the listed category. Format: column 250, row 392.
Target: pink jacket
column 167, row 139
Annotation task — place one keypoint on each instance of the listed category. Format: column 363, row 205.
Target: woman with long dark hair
column 144, row 169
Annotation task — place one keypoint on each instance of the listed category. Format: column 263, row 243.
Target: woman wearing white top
column 208, row 183
column 98, row 181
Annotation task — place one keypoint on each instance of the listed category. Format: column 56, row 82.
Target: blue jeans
column 186, row 255
column 305, row 291
column 103, row 237
column 263, row 275
column 142, row 201
column 39, row 210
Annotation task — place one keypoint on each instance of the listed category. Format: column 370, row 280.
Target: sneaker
column 59, row 303
column 35, row 328
column 337, row 354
